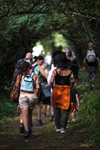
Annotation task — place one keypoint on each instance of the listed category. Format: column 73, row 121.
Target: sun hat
column 62, row 61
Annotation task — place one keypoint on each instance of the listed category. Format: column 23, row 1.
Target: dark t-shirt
column 91, row 64
column 73, row 95
column 74, row 69
column 56, row 53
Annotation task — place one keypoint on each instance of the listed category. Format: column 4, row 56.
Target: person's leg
column 44, row 109
column 39, row 112
column 75, row 84
column 30, row 118
column 57, row 117
column 64, row 119
column 23, row 101
column 21, row 124
column 24, row 111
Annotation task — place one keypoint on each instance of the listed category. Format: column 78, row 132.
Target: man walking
column 91, row 59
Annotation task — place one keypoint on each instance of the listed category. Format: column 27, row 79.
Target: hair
column 69, row 54
column 74, row 61
column 28, row 55
column 68, row 47
column 24, row 68
column 90, row 45
column 60, row 47
column 39, row 57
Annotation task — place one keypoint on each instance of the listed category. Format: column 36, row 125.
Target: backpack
column 27, row 83
column 91, row 56
column 32, row 69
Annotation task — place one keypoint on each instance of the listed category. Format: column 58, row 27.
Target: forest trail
column 44, row 137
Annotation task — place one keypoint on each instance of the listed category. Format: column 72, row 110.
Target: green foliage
column 7, row 108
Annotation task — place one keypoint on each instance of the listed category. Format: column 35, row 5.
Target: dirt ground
column 44, row 137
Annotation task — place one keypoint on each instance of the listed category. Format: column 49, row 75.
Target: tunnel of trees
column 23, row 23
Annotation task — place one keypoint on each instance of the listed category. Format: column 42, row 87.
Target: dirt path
column 44, row 137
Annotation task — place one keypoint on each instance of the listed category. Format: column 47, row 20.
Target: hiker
column 39, row 69
column 67, row 50
column 91, row 59
column 58, row 51
column 74, row 100
column 17, row 67
column 47, row 92
column 48, row 59
column 63, row 78
column 29, row 86
column 75, row 69
column 69, row 56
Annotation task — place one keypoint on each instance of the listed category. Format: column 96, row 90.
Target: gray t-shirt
column 46, row 90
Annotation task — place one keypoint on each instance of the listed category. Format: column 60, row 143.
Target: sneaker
column 21, row 128
column 58, row 130
column 39, row 122
column 62, row 131
column 44, row 114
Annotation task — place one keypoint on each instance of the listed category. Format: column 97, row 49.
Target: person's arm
column 14, row 77
column 36, row 83
column 84, row 62
column 41, row 70
column 77, row 99
column 18, row 81
column 52, row 78
column 98, row 62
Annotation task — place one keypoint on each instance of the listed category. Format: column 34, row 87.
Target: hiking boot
column 21, row 128
column 39, row 122
column 26, row 134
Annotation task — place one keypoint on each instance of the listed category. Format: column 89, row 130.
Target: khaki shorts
column 26, row 100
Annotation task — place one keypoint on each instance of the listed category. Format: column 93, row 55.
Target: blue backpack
column 27, row 83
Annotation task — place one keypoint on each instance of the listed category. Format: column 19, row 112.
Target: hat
column 62, row 61
column 28, row 61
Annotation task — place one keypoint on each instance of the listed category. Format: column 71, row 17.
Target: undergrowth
column 90, row 109
column 7, row 108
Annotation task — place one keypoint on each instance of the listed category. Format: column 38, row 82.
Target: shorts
column 27, row 100
column 40, row 95
column 76, row 76
column 73, row 107
column 91, row 72
column 46, row 100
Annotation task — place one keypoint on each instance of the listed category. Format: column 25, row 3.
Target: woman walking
column 29, row 86
column 63, row 78
column 38, row 69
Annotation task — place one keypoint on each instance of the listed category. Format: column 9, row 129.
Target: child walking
column 47, row 92
column 75, row 69
column 74, row 101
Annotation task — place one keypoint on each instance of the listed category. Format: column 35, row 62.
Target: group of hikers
column 55, row 90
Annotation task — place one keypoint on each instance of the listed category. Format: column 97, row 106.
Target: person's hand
column 47, row 85
column 78, row 105
column 13, row 83
column 83, row 68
